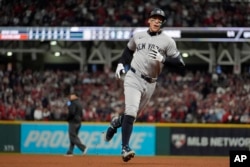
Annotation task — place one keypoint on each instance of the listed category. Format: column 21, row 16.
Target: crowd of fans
column 193, row 98
column 180, row 13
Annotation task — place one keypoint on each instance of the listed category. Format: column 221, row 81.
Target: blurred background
column 47, row 47
column 51, row 47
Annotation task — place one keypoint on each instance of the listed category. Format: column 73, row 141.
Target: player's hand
column 155, row 55
column 120, row 70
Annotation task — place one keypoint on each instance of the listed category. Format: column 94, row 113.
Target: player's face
column 155, row 23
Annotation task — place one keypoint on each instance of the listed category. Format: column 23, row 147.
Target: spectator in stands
column 103, row 97
column 124, row 13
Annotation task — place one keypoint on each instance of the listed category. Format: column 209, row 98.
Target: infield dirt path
column 19, row 160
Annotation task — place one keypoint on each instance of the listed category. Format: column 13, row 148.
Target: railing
column 209, row 34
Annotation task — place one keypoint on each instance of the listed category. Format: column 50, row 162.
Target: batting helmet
column 157, row 12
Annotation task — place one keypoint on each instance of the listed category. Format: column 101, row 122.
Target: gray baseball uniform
column 146, row 53
column 137, row 89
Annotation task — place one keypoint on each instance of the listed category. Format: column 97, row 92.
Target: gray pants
column 137, row 93
column 73, row 137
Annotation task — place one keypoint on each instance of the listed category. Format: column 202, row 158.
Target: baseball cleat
column 127, row 154
column 109, row 134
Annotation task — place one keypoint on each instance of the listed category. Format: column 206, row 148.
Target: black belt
column 146, row 78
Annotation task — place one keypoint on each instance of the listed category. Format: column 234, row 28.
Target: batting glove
column 155, row 55
column 120, row 70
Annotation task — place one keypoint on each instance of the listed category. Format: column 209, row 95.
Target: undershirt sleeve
column 127, row 56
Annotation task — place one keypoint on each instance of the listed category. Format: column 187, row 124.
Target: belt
column 146, row 78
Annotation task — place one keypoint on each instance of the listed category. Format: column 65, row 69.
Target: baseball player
column 74, row 119
column 146, row 53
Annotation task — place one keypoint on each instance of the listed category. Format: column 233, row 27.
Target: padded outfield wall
column 201, row 139
column 147, row 139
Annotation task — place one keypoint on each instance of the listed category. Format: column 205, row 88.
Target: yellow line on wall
column 177, row 125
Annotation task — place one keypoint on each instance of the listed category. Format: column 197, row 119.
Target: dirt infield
column 18, row 160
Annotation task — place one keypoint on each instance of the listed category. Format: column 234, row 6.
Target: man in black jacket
column 74, row 119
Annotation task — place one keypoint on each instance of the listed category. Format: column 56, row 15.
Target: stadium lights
column 53, row 43
column 57, row 54
column 185, row 54
column 9, row 53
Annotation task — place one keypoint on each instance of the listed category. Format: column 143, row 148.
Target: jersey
column 137, row 89
column 142, row 42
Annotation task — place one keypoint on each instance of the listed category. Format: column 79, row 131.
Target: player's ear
column 149, row 21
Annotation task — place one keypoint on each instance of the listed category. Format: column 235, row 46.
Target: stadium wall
column 201, row 139
column 147, row 139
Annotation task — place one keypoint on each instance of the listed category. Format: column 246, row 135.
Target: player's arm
column 176, row 60
column 127, row 56
column 173, row 56
column 125, row 59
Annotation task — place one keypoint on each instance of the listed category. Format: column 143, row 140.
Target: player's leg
column 135, row 101
column 115, row 123
column 132, row 102
column 146, row 96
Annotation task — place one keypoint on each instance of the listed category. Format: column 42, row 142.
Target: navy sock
column 127, row 128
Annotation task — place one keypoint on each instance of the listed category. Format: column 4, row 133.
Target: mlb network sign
column 208, row 141
column 239, row 158
column 53, row 139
